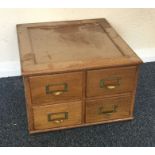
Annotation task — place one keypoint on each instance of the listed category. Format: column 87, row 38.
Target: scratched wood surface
column 123, row 78
column 41, row 113
column 108, row 108
column 55, row 47
column 38, row 86
column 79, row 68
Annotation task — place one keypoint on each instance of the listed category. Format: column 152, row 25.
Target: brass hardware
column 49, row 89
column 110, row 87
column 58, row 121
column 58, row 93
column 57, row 117
column 110, row 83
column 102, row 110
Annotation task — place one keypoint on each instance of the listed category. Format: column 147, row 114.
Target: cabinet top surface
column 74, row 45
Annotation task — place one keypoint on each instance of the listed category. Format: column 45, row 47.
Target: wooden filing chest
column 76, row 73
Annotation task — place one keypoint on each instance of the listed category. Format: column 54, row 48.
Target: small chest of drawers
column 76, row 73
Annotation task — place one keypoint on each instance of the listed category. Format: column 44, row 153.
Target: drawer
column 57, row 115
column 56, row 88
column 108, row 108
column 110, row 81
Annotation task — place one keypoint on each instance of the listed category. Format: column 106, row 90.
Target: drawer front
column 110, row 81
column 56, row 88
column 108, row 109
column 57, row 115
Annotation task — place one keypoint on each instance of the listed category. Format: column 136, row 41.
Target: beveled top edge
column 52, row 23
column 118, row 41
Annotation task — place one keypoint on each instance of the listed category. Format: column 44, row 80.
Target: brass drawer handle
column 51, row 89
column 57, row 117
column 59, row 121
column 110, row 83
column 57, row 93
column 102, row 110
column 111, row 87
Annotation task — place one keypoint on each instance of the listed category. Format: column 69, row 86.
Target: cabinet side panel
column 28, row 103
column 134, row 92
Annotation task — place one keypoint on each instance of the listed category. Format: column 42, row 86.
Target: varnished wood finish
column 109, row 108
column 72, row 70
column 28, row 103
column 42, row 53
column 82, row 125
column 73, row 110
column 56, row 82
column 114, row 80
column 134, row 91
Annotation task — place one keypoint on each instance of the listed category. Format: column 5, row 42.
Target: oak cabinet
column 76, row 73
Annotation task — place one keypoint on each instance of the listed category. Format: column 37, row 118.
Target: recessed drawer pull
column 102, row 110
column 57, row 117
column 57, row 93
column 110, row 83
column 111, row 87
column 59, row 121
column 56, row 89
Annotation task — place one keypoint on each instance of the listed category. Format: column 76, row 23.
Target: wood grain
column 83, row 125
column 38, row 86
column 76, row 73
column 41, row 115
column 100, row 46
column 109, row 108
column 123, row 78
column 134, row 90
column 28, row 104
